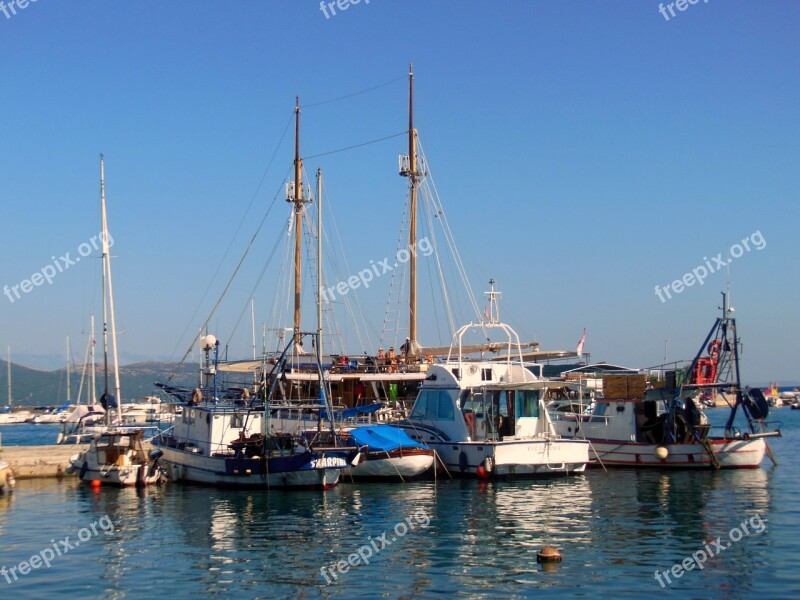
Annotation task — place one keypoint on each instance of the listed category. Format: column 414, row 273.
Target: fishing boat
column 7, row 481
column 632, row 426
column 487, row 418
column 115, row 455
column 230, row 444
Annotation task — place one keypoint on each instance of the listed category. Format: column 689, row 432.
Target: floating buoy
column 481, row 472
column 661, row 453
column 548, row 554
column 95, row 483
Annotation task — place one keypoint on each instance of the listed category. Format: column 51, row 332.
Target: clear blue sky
column 585, row 152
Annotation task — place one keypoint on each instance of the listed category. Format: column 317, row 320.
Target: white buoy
column 661, row 453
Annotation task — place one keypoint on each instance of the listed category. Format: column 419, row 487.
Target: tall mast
column 319, row 262
column 8, row 363
column 105, row 285
column 69, row 353
column 296, row 197
column 93, row 395
column 253, row 324
column 107, row 279
column 412, row 175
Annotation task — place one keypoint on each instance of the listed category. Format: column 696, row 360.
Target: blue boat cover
column 384, row 438
column 350, row 413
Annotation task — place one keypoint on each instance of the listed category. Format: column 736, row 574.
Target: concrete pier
column 38, row 462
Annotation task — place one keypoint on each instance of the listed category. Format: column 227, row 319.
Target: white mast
column 319, row 261
column 253, row 324
column 69, row 353
column 107, row 278
column 93, row 394
column 8, row 362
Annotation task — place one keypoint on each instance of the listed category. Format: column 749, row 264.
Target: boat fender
column 661, row 453
column 84, row 469
column 59, row 438
column 488, row 464
column 481, row 472
column 462, row 461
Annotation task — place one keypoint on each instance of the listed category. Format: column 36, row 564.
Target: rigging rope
column 402, row 77
column 388, row 137
column 235, row 235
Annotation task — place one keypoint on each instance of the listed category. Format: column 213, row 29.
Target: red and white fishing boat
column 631, row 426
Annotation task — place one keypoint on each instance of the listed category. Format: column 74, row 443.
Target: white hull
column 731, row 454
column 399, row 467
column 127, row 476
column 514, row 458
column 15, row 418
column 7, row 481
column 197, row 468
column 116, row 458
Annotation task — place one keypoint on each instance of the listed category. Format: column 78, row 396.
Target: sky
column 587, row 155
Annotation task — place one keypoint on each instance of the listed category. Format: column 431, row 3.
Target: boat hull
column 131, row 475
column 514, row 458
column 7, row 481
column 731, row 454
column 399, row 464
column 303, row 471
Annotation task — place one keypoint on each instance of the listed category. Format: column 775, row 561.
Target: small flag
column 580, row 343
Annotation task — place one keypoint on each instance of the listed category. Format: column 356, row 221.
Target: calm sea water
column 614, row 531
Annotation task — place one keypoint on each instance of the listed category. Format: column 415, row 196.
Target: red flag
column 580, row 343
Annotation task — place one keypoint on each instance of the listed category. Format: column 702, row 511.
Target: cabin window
column 486, row 374
column 527, row 403
column 433, row 404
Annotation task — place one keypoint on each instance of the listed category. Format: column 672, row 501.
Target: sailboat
column 665, row 428
column 116, row 456
column 59, row 414
column 84, row 421
column 386, row 451
column 8, row 417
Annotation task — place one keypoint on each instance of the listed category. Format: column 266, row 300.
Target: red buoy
column 548, row 554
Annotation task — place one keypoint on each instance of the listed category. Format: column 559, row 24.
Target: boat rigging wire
column 388, row 137
column 402, row 77
column 233, row 238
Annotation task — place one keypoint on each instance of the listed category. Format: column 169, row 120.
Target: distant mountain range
column 33, row 387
